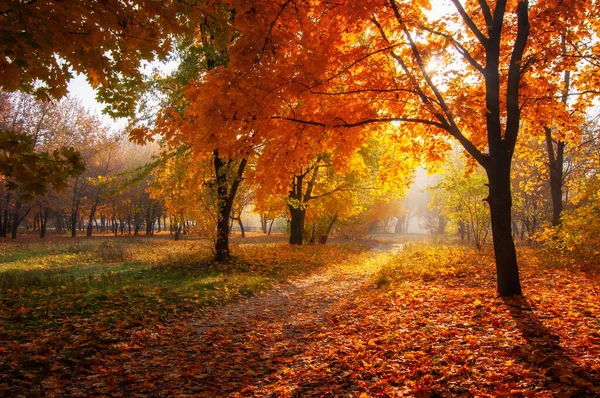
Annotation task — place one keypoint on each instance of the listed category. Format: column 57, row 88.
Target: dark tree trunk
column 222, row 254
column 299, row 199
column 500, row 202
column 325, row 236
column 241, row 224
column 296, row 225
column 556, row 166
column 90, row 225
column 44, row 221
column 270, row 227
column 225, row 196
column 556, row 157
column 502, row 138
column 263, row 223
column 74, row 222
column 4, row 223
column 16, row 220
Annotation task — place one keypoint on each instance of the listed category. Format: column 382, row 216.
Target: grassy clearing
column 182, row 271
column 108, row 290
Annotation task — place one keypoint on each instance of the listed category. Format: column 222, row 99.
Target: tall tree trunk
column 500, row 201
column 263, row 223
column 325, row 236
column 4, row 224
column 241, row 224
column 556, row 158
column 74, row 221
column 297, row 217
column 222, row 253
column 16, row 220
column 44, row 221
column 270, row 227
column 502, row 138
column 90, row 225
column 555, row 166
column 225, row 196
column 298, row 202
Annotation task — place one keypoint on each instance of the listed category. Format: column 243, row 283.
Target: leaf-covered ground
column 424, row 321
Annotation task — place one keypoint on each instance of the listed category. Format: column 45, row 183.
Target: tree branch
column 513, row 110
column 363, row 122
column 469, row 22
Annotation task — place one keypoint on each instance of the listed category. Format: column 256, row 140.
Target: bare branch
column 459, row 47
column 514, row 75
column 363, row 122
column 469, row 22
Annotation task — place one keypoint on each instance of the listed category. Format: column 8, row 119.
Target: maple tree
column 334, row 68
column 44, row 43
column 178, row 122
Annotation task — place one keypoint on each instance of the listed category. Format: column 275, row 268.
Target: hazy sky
column 81, row 89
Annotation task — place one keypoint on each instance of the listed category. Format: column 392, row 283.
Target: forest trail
column 259, row 340
column 248, row 347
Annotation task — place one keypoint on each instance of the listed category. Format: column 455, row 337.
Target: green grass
column 66, row 302
column 125, row 281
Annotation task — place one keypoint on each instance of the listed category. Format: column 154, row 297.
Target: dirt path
column 298, row 302
column 260, row 344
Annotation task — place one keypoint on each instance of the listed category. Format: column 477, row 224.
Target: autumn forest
column 321, row 198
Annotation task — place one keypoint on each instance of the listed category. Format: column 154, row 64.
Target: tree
column 579, row 231
column 44, row 42
column 32, row 160
column 179, row 123
column 349, row 65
